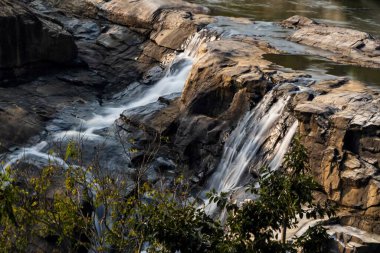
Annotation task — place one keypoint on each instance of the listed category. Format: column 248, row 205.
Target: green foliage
column 283, row 198
column 89, row 209
column 314, row 240
column 68, row 206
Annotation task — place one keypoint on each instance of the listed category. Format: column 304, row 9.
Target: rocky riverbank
column 348, row 45
column 94, row 48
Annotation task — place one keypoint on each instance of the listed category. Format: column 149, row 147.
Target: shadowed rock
column 28, row 41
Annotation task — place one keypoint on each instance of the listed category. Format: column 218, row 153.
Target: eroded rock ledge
column 349, row 45
column 339, row 123
column 340, row 128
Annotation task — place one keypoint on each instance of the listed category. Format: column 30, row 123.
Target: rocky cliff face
column 340, row 128
column 338, row 123
column 28, row 40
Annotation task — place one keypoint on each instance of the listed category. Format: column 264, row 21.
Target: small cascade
column 173, row 82
column 248, row 147
column 193, row 43
column 36, row 152
column 244, row 143
column 90, row 129
column 283, row 148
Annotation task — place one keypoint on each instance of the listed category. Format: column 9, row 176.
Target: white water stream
column 173, row 82
column 242, row 151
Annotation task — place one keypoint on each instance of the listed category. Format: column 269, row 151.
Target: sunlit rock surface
column 340, row 129
column 351, row 45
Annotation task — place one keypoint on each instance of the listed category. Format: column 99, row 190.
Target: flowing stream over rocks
column 245, row 150
column 243, row 146
column 93, row 130
column 228, row 93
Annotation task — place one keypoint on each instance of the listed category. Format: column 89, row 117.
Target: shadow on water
column 369, row 76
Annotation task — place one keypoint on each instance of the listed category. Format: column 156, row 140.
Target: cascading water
column 281, row 151
column 172, row 82
column 244, row 147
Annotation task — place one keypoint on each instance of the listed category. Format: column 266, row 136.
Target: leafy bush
column 87, row 209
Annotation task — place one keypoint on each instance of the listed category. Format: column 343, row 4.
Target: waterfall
column 244, row 143
column 172, row 82
column 244, row 147
column 277, row 159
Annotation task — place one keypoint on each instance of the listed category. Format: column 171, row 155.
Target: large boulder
column 350, row 45
column 28, row 40
column 169, row 22
column 141, row 14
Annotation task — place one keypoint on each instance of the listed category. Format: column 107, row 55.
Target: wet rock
column 349, row 45
column 164, row 164
column 153, row 75
column 26, row 108
column 28, row 41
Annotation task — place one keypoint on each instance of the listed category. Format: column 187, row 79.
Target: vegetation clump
column 86, row 209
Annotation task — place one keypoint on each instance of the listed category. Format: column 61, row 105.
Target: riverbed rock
column 341, row 131
column 350, row 45
column 140, row 14
column 29, row 41
column 298, row 21
column 350, row 239
column 170, row 22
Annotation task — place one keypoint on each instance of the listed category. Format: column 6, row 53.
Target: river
column 362, row 15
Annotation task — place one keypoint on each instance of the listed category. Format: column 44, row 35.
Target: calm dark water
column 318, row 64
column 362, row 15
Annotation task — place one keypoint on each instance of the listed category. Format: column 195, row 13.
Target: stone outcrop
column 169, row 21
column 228, row 78
column 340, row 128
column 139, row 14
column 28, row 40
column 349, row 45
